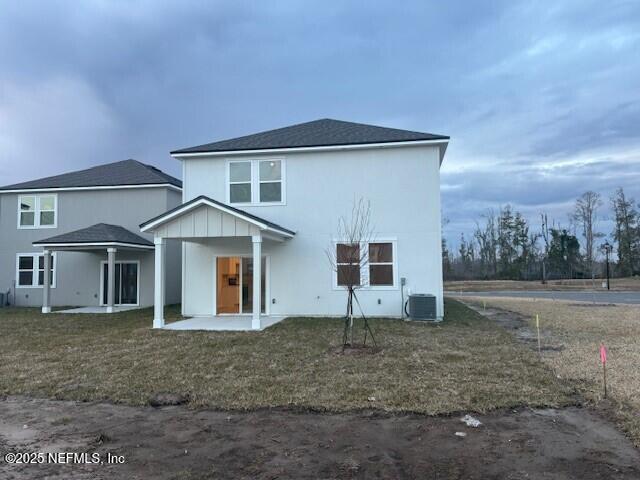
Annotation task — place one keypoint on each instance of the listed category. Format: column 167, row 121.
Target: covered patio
column 99, row 237
column 201, row 222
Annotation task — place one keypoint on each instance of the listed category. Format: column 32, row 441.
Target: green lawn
column 464, row 363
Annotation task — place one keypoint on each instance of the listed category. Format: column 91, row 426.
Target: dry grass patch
column 580, row 327
column 464, row 363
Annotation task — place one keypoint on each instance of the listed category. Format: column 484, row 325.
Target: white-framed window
column 379, row 272
column 38, row 211
column 256, row 182
column 30, row 270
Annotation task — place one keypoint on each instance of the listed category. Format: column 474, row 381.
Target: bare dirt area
column 571, row 334
column 177, row 442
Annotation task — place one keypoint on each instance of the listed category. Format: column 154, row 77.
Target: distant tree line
column 505, row 245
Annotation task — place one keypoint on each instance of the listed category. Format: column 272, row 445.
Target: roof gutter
column 91, row 244
column 361, row 146
column 170, row 186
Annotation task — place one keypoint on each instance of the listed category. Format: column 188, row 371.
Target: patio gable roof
column 98, row 235
column 206, row 217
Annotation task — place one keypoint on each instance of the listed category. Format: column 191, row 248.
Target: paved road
column 583, row 296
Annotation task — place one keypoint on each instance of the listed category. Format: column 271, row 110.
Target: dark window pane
column 105, row 284
column 26, row 219
column 41, row 262
column 271, row 192
column 380, row 274
column 240, row 193
column 348, row 275
column 25, row 278
column 247, row 285
column 116, row 297
column 25, row 263
column 41, row 278
column 129, row 283
column 47, row 218
column 348, row 253
column 380, row 253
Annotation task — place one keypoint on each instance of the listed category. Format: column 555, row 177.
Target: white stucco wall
column 403, row 186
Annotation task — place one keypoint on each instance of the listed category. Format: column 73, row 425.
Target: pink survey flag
column 603, row 354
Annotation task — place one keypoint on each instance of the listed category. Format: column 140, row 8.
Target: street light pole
column 607, row 247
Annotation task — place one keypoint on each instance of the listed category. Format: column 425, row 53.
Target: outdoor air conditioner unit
column 422, row 307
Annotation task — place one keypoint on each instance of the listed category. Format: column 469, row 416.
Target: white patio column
column 111, row 278
column 257, row 277
column 46, row 287
column 158, row 291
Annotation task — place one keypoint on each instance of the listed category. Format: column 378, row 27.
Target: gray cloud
column 539, row 97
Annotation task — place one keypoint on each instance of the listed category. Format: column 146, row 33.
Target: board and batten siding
column 206, row 221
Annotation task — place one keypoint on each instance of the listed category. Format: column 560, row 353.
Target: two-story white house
column 259, row 212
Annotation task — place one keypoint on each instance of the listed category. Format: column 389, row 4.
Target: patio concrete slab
column 94, row 310
column 235, row 323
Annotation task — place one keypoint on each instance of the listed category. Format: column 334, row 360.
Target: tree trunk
column 351, row 317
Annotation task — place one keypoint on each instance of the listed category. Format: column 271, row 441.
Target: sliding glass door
column 234, row 285
column 247, row 285
column 126, row 283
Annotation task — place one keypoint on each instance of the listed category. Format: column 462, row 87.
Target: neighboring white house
column 259, row 211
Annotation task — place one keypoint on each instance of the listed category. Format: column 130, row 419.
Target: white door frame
column 104, row 262
column 267, row 284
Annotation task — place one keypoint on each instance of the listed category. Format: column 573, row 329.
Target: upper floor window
column 30, row 270
column 37, row 211
column 256, row 182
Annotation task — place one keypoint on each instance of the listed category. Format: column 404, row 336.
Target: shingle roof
column 125, row 172
column 324, row 132
column 204, row 198
column 99, row 233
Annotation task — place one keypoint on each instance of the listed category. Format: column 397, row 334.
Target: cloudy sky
column 541, row 99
